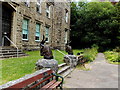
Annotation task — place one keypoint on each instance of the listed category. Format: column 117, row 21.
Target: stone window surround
column 48, row 8
column 38, row 32
column 66, row 15
column 27, row 3
column 38, row 5
column 47, row 26
column 26, row 30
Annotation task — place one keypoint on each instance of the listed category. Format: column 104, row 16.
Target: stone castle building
column 25, row 23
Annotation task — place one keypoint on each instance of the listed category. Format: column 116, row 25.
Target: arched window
column 66, row 16
column 47, row 10
column 38, row 6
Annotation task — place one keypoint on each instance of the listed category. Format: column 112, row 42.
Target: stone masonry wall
column 56, row 23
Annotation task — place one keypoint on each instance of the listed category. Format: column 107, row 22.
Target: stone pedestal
column 47, row 63
column 71, row 60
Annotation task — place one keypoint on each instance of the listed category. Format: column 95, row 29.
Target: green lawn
column 15, row 68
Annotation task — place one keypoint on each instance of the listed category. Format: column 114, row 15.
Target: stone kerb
column 10, row 83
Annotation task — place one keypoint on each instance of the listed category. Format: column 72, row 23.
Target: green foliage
column 117, row 49
column 91, row 25
column 75, row 51
column 90, row 54
column 112, row 56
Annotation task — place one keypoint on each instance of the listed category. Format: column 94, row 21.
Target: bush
column 112, row 56
column 90, row 54
column 117, row 49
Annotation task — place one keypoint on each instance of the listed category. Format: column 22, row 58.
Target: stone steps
column 64, row 69
column 67, row 72
column 6, row 47
column 61, row 71
column 62, row 65
column 10, row 52
column 11, row 56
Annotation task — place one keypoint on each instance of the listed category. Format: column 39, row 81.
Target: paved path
column 101, row 75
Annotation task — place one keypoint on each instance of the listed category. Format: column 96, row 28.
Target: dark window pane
column 46, row 38
column 36, row 38
column 24, row 36
column 47, row 14
column 37, row 8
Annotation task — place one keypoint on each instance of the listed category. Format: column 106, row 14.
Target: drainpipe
column 1, row 24
column 53, row 34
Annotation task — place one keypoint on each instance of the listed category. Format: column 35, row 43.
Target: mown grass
column 14, row 68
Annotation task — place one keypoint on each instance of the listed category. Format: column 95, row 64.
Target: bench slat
column 49, row 84
column 41, row 81
column 29, row 81
column 55, row 84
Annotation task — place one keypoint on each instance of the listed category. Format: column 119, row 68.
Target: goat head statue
column 45, row 50
column 68, row 48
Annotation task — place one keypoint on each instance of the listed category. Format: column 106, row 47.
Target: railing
column 11, row 42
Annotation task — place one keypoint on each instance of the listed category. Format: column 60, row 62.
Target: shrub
column 90, row 54
column 117, row 49
column 112, row 56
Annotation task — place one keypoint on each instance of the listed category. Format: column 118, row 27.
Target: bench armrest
column 58, row 76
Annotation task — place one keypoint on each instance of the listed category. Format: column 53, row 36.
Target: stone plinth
column 71, row 60
column 47, row 63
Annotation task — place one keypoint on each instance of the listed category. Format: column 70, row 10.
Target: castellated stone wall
column 58, row 28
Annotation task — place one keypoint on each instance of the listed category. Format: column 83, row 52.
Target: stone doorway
column 6, row 23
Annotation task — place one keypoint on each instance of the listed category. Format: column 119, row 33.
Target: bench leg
column 60, row 87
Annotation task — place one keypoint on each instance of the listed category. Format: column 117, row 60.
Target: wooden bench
column 43, row 81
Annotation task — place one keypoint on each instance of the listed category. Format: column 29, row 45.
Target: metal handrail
column 13, row 44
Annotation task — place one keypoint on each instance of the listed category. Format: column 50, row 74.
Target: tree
column 95, row 24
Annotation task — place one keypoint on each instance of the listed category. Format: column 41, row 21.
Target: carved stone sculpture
column 45, row 50
column 68, row 48
column 48, row 61
column 70, row 59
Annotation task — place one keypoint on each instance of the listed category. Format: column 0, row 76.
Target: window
column 25, row 29
column 47, row 11
column 27, row 3
column 66, row 16
column 38, row 7
column 37, row 34
column 66, row 35
column 47, row 33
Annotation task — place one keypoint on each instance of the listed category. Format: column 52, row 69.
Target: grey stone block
column 47, row 63
column 71, row 60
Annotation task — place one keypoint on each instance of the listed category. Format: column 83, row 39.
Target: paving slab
column 100, row 75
